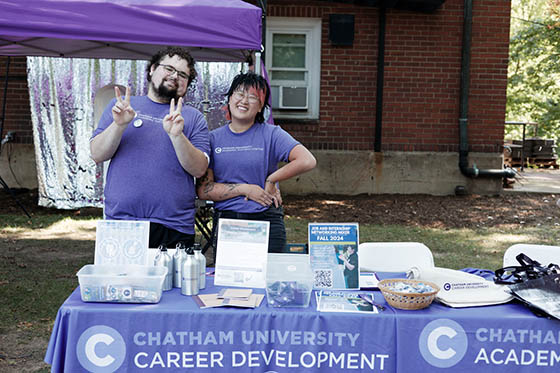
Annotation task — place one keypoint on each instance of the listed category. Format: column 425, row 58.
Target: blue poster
column 333, row 251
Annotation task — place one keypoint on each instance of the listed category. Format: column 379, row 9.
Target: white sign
column 242, row 253
column 122, row 242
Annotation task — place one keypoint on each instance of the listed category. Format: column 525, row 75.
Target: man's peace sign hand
column 173, row 122
column 123, row 113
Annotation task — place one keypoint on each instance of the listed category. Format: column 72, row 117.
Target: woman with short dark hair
column 243, row 174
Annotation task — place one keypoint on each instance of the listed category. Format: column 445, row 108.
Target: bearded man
column 157, row 146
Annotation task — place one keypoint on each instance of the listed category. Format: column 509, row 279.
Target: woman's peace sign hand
column 173, row 122
column 123, row 113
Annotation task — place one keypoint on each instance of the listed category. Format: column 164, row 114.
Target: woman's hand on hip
column 270, row 187
column 258, row 194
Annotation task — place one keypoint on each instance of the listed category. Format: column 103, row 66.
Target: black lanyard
column 528, row 269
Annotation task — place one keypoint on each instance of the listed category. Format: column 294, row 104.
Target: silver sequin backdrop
column 62, row 95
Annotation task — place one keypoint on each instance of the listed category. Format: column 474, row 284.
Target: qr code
column 238, row 277
column 323, row 278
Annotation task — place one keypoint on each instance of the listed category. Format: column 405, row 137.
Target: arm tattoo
column 208, row 187
column 229, row 188
column 202, row 180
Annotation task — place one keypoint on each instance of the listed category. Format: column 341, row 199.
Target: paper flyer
column 343, row 301
column 368, row 280
column 333, row 251
column 242, row 253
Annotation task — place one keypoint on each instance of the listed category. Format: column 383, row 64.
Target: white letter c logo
column 443, row 343
column 90, row 349
column 101, row 349
column 432, row 342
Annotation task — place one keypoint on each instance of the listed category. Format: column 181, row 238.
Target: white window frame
column 311, row 27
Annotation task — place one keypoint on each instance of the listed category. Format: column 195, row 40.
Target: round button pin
column 137, row 123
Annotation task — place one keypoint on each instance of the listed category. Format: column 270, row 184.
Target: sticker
column 137, row 123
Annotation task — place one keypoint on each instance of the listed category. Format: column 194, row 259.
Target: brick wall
column 422, row 78
column 489, row 72
column 18, row 115
column 422, row 74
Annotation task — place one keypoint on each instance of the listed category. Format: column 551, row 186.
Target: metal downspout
column 464, row 105
column 380, row 76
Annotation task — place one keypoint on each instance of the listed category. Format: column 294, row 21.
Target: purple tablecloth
column 175, row 335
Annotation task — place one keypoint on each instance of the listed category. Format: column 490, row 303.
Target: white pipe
column 258, row 63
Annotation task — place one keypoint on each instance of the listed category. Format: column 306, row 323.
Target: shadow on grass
column 40, row 221
column 38, row 275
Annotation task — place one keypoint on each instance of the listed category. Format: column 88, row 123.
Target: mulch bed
column 509, row 209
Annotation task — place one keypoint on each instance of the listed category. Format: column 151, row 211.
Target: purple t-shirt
column 247, row 158
column 145, row 180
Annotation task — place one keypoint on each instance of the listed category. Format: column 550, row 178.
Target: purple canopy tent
column 224, row 30
column 213, row 31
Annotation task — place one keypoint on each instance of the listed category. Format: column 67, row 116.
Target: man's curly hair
column 173, row 51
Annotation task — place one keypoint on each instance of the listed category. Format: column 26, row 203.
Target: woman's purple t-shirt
column 247, row 158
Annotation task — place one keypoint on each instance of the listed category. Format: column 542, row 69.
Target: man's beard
column 166, row 93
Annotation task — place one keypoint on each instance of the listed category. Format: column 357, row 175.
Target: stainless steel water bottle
column 165, row 260
column 199, row 256
column 190, row 274
column 178, row 259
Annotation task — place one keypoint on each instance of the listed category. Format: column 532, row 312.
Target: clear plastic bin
column 121, row 283
column 289, row 280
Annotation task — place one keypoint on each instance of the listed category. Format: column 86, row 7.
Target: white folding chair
column 543, row 254
column 394, row 256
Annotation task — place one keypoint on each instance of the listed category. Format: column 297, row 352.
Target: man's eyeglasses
column 171, row 70
column 240, row 95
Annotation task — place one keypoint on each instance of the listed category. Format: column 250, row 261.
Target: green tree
column 534, row 70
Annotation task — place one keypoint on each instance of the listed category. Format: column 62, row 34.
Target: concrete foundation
column 357, row 172
column 337, row 172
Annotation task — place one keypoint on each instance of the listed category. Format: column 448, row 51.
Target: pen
column 368, row 298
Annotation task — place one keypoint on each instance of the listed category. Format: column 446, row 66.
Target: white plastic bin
column 121, row 283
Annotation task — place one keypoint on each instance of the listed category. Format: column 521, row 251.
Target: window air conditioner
column 289, row 97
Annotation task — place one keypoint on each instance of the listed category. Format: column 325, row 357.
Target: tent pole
column 258, row 63
column 263, row 25
column 4, row 100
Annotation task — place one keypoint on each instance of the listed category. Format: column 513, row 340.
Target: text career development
column 179, row 358
column 254, row 359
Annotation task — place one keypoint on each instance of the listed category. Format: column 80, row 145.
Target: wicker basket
column 407, row 301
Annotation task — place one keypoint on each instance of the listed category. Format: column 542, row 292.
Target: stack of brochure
column 230, row 298
column 345, row 301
